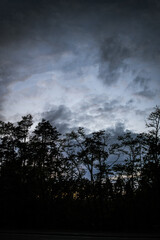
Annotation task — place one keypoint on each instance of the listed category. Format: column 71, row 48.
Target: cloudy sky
column 85, row 63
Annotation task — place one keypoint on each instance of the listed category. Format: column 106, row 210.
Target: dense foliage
column 79, row 180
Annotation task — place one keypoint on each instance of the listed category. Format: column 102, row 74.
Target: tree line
column 79, row 180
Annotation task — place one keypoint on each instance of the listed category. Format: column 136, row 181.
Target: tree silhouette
column 131, row 150
column 153, row 123
column 78, row 179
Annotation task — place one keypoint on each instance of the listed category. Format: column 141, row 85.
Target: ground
column 5, row 235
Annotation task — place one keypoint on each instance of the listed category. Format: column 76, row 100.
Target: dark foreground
column 71, row 236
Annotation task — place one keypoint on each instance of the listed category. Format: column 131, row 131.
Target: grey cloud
column 140, row 112
column 141, row 81
column 61, row 112
column 89, row 112
column 144, row 86
column 113, row 56
column 98, row 105
column 114, row 106
column 6, row 78
column 59, row 116
column 130, row 102
column 99, row 108
column 123, row 53
column 118, row 130
column 110, row 106
column 146, row 93
column 131, row 42
column 35, row 34
column 140, row 86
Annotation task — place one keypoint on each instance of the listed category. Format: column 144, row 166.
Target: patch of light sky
column 54, row 86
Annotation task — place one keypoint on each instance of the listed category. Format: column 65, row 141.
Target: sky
column 80, row 63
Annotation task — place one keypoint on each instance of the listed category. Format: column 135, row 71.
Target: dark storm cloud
column 113, row 56
column 141, row 87
column 132, row 40
column 58, row 113
column 116, row 131
column 141, row 81
column 59, row 116
column 62, row 118
column 33, row 33
column 23, row 26
column 122, row 35
column 65, row 120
